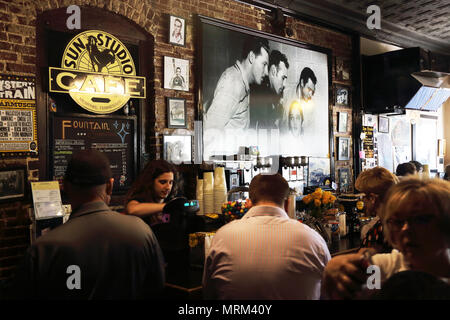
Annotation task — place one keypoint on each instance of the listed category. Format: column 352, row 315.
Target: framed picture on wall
column 344, row 179
column 383, row 124
column 343, row 148
column 176, row 112
column 176, row 74
column 342, row 69
column 12, row 184
column 177, row 148
column 318, row 171
column 342, row 96
column 232, row 119
column 177, row 31
column 342, row 121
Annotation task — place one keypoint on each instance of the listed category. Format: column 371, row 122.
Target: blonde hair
column 377, row 180
column 430, row 195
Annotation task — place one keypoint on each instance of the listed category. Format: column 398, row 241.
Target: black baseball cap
column 88, row 168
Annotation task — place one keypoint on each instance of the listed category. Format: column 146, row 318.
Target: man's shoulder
column 232, row 77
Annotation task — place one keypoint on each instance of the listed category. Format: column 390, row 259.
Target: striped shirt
column 265, row 255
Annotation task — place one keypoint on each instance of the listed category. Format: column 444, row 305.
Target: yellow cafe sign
column 98, row 72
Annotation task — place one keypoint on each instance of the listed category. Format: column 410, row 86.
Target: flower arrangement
column 318, row 201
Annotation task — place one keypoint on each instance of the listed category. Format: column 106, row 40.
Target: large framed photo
column 12, row 184
column 177, row 31
column 342, row 121
column 176, row 113
column 383, row 124
column 287, row 114
column 176, row 74
column 177, row 148
column 342, row 96
column 318, row 171
column 343, row 148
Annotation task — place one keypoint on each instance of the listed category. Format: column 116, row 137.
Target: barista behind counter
column 152, row 198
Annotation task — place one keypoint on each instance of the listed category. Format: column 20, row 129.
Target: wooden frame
column 176, row 112
column 343, row 148
column 176, row 74
column 344, row 178
column 342, row 69
column 342, row 121
column 177, row 37
column 383, row 124
column 13, row 183
column 342, row 96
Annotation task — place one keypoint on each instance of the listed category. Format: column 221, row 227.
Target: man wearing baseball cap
column 97, row 253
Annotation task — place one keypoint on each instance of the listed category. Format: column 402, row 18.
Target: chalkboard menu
column 113, row 135
column 368, row 143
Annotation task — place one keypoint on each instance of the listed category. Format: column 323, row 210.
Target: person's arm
column 144, row 209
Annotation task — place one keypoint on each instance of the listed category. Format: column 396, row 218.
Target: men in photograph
column 177, row 81
column 266, row 110
column 97, row 253
column 297, row 102
column 265, row 254
column 229, row 108
column 177, row 35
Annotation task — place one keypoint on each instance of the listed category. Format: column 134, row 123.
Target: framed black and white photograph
column 342, row 95
column 318, row 171
column 344, row 179
column 177, row 148
column 177, row 31
column 279, row 104
column 383, row 124
column 342, row 69
column 12, row 184
column 342, row 121
column 176, row 74
column 176, row 113
column 343, row 148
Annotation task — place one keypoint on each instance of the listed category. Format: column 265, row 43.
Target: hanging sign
column 98, row 72
column 18, row 128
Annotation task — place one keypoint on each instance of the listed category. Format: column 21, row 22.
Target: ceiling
column 405, row 23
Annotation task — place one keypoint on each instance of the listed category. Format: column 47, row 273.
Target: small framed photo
column 343, row 148
column 342, row 69
column 383, row 124
column 176, row 74
column 344, row 179
column 176, row 113
column 342, row 96
column 177, row 31
column 12, row 184
column 177, row 148
column 342, row 121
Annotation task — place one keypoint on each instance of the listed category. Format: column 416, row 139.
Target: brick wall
column 18, row 54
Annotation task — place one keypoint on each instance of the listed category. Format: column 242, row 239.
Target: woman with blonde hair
column 375, row 183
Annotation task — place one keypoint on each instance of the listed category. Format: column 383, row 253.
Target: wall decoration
column 12, row 183
column 342, row 96
column 176, row 113
column 344, row 180
column 342, row 121
column 177, row 148
column 383, row 124
column 401, row 140
column 342, row 69
column 238, row 111
column 368, row 142
column 177, row 31
column 18, row 124
column 343, row 148
column 176, row 74
column 318, row 171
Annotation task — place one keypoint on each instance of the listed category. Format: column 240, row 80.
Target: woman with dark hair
column 405, row 169
column 155, row 186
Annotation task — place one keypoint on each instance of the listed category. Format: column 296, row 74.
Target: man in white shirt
column 265, row 255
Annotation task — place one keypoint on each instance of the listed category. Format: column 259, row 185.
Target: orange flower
column 317, row 202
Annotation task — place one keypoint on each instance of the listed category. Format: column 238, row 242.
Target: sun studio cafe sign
column 98, row 72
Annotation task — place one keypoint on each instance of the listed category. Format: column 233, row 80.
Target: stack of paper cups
column 208, row 192
column 220, row 189
column 199, row 196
